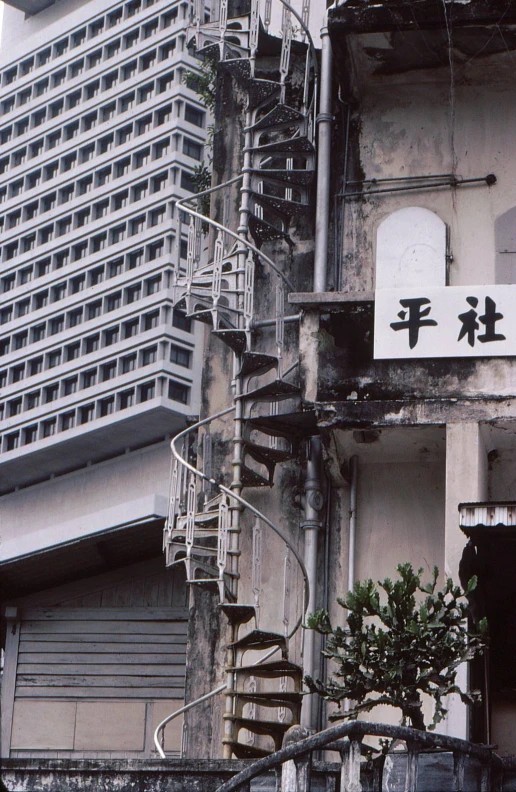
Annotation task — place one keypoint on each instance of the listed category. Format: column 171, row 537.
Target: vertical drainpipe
column 324, row 131
column 352, row 521
column 353, row 485
column 313, row 502
column 313, row 489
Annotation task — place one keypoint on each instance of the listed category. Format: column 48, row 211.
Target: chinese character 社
column 488, row 319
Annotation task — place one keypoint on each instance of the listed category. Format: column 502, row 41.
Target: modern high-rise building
column 100, row 136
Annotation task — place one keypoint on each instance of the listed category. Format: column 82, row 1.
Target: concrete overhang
column 397, row 36
column 136, row 427
column 82, row 557
column 364, row 16
column 30, row 6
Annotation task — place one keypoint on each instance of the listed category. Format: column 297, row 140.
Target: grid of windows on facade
column 99, row 136
column 76, row 132
column 97, row 408
column 85, row 34
column 78, row 348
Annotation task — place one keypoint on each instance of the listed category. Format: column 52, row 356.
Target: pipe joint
column 324, row 117
column 311, row 525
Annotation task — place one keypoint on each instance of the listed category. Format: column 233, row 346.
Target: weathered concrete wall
column 179, row 775
column 414, row 124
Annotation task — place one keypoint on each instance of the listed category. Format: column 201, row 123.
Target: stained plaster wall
column 418, row 123
column 400, row 517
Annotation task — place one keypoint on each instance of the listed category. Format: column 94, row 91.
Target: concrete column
column 466, row 481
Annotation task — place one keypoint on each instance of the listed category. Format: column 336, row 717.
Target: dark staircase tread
column 234, row 338
column 261, row 90
column 239, row 68
column 267, row 455
column 201, row 518
column 296, row 177
column 280, row 115
column 269, row 699
column 250, row 478
column 261, row 639
column 274, row 729
column 278, row 389
column 256, row 362
column 303, row 424
column 242, row 751
column 262, row 231
column 297, row 145
column 271, row 669
column 281, row 206
column 238, row 614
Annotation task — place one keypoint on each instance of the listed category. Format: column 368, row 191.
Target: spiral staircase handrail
column 227, row 491
column 245, row 242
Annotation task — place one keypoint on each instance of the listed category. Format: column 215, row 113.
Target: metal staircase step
column 213, row 317
column 213, row 503
column 197, row 552
column 280, row 116
column 204, row 518
column 262, row 231
column 200, row 533
column 271, row 670
column 212, row 47
column 244, row 751
column 297, row 145
column 236, row 339
column 291, row 701
column 274, row 729
column 260, row 91
column 278, row 389
column 300, row 424
column 201, row 316
column 256, row 363
column 261, row 639
column 281, row 206
column 216, row 585
column 250, row 478
column 267, row 455
column 210, row 50
column 238, row 614
column 297, row 177
column 240, row 70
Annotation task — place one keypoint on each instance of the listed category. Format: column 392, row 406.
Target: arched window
column 505, row 241
column 411, row 250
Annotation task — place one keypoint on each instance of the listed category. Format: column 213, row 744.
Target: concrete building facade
column 100, row 136
column 357, row 405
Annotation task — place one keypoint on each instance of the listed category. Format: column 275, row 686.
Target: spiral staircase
column 203, row 527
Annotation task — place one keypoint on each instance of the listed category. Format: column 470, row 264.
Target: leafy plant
column 203, row 83
column 394, row 651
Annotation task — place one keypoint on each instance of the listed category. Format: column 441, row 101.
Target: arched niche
column 411, row 250
column 505, row 242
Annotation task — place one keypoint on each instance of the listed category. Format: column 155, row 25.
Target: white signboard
column 451, row 321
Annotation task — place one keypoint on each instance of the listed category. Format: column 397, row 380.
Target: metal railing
column 295, row 759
